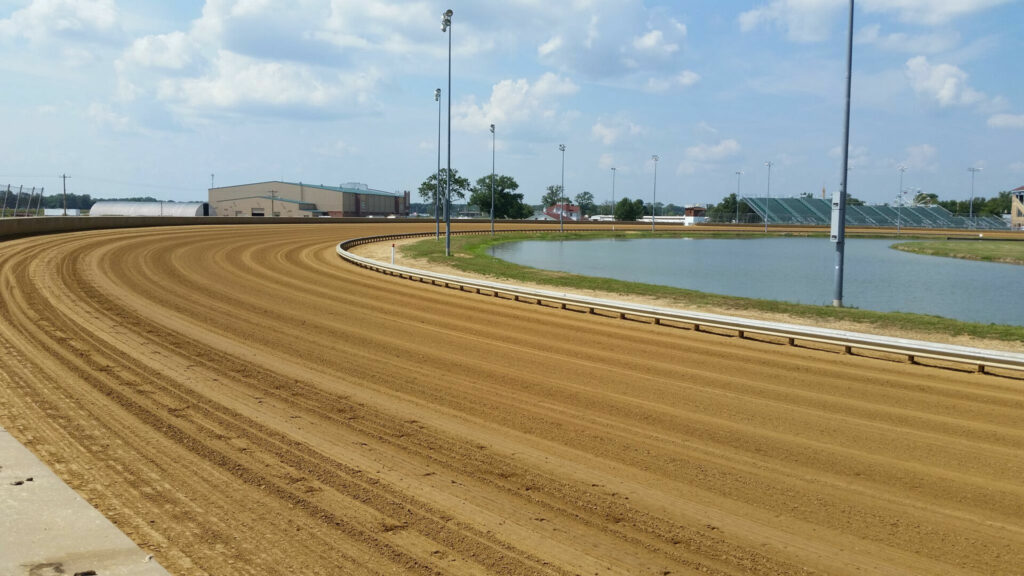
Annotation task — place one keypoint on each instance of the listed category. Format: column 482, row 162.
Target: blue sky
column 151, row 98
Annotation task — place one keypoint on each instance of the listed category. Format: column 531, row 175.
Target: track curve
column 239, row 400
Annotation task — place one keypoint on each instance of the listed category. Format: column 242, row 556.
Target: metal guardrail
column 849, row 342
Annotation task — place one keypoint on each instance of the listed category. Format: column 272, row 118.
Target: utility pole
column 3, row 207
column 273, row 194
column 739, row 174
column 17, row 201
column 64, row 177
column 899, row 201
column 838, row 235
column 211, row 181
column 612, row 199
column 41, row 191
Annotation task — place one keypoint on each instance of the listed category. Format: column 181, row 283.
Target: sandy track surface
column 240, row 401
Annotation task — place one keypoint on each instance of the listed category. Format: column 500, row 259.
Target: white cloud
column 813, row 20
column 1006, row 121
column 552, row 45
column 172, row 51
column 706, row 155
column 237, row 81
column 684, row 79
column 609, row 39
column 103, row 116
column 654, row 41
column 713, row 152
column 929, row 12
column 516, row 102
column 944, row 83
column 803, row 20
column 858, row 156
column 609, row 130
column 43, row 19
column 921, row 158
column 933, row 43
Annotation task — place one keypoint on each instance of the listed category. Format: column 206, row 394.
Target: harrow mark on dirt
column 239, row 400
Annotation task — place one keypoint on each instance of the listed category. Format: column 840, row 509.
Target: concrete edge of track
column 913, row 350
column 47, row 528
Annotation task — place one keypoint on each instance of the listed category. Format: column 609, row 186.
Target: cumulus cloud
column 237, row 81
column 921, row 158
column 610, row 39
column 172, row 51
column 707, row 155
column 930, row 12
column 105, row 117
column 814, row 20
column 654, row 41
column 803, row 20
column 858, row 156
column 932, row 43
column 944, row 83
column 516, row 102
column 1006, row 121
column 608, row 131
column 684, row 79
column 42, row 19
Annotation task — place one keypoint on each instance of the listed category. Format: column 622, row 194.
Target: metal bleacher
column 818, row 212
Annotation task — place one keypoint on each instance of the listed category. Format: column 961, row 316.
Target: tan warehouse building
column 299, row 200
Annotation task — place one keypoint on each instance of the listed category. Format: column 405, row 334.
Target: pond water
column 797, row 270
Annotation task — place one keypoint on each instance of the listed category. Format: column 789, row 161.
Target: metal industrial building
column 299, row 200
column 128, row 208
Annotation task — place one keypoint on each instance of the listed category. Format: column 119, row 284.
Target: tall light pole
column 613, row 198
column 654, row 199
column 768, row 200
column 492, row 179
column 437, row 183
column 739, row 173
column 838, row 232
column 899, row 201
column 561, row 193
column 446, row 25
column 973, row 170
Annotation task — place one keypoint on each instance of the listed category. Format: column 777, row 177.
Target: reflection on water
column 795, row 270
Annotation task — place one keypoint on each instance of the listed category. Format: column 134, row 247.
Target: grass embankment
column 1009, row 252
column 470, row 254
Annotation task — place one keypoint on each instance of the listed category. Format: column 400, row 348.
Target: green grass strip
column 1005, row 251
column 471, row 254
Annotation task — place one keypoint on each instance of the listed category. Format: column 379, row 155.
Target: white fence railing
column 849, row 342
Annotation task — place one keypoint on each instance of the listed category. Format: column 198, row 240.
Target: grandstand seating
column 817, row 211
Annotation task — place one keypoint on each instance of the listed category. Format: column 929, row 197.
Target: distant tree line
column 75, row 201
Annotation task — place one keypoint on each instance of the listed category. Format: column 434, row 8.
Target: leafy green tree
column 996, row 206
column 507, row 202
column 552, row 196
column 585, row 200
column 628, row 210
column 429, row 188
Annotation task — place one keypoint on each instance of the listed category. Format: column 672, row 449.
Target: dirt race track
column 240, row 401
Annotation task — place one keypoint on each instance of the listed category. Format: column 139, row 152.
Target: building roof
column 275, row 199
column 350, row 187
column 1019, row 189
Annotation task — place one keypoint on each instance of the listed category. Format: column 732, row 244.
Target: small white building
column 60, row 212
column 126, row 208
